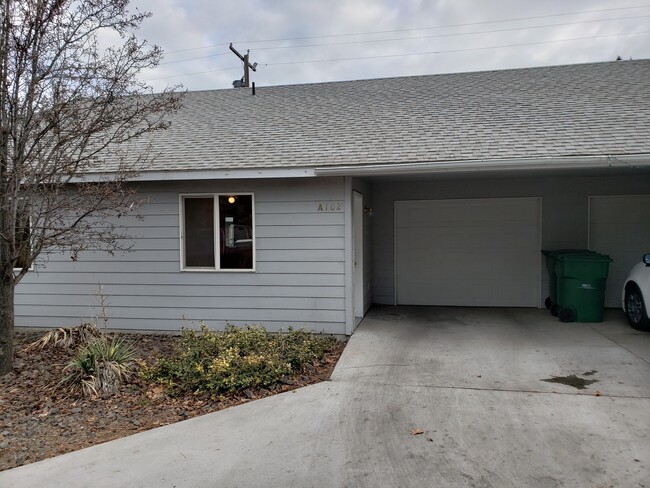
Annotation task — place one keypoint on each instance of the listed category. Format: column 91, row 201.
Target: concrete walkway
column 470, row 379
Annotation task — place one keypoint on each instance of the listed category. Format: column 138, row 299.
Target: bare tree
column 72, row 114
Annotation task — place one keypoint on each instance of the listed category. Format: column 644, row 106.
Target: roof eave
column 383, row 169
column 212, row 174
column 519, row 164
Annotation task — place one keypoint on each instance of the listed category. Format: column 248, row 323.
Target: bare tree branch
column 68, row 108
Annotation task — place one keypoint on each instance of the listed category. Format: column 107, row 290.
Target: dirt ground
column 37, row 422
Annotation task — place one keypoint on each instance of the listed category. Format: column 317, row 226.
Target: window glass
column 236, row 231
column 199, row 232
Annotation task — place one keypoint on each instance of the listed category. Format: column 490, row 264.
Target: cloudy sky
column 307, row 41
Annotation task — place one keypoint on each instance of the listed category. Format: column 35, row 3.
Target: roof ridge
column 410, row 77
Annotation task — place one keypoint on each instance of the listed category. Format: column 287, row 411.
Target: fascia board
column 227, row 174
column 573, row 162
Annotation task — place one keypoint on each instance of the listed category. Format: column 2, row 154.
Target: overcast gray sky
column 383, row 38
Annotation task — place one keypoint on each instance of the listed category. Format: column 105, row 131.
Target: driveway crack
column 509, row 390
column 619, row 345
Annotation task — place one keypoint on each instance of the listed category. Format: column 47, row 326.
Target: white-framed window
column 217, row 232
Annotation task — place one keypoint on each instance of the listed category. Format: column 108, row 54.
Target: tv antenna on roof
column 247, row 65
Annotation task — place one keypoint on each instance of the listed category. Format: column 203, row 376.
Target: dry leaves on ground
column 37, row 422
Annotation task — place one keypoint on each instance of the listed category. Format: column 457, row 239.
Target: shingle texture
column 587, row 109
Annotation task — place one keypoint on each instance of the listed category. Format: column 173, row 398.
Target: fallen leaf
column 429, row 439
column 156, row 392
column 416, row 431
column 596, row 393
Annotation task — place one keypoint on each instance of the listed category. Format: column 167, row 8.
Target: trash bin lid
column 558, row 252
column 582, row 256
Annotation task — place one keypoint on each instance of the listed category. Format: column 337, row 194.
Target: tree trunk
column 6, row 325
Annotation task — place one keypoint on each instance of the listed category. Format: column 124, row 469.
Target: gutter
column 430, row 167
column 481, row 165
column 210, row 174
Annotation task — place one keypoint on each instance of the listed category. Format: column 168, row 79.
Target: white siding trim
column 357, row 241
column 542, row 259
column 349, row 265
column 395, row 225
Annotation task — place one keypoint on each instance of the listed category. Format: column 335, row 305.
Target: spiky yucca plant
column 99, row 367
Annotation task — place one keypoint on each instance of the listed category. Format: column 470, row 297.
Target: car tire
column 635, row 309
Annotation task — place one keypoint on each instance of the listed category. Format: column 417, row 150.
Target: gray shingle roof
column 587, row 109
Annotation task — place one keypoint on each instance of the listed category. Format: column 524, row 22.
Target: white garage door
column 478, row 252
column 620, row 227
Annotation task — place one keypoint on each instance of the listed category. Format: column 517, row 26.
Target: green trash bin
column 551, row 261
column 581, row 279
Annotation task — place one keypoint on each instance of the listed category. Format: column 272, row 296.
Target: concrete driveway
column 469, row 379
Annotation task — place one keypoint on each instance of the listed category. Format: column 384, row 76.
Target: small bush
column 217, row 362
column 99, row 367
column 300, row 348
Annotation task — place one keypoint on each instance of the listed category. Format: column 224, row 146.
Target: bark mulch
column 37, row 422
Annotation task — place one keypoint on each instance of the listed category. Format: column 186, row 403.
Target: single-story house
column 301, row 205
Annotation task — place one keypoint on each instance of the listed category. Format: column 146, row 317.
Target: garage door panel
column 478, row 237
column 481, row 264
column 620, row 235
column 418, row 238
column 619, row 226
column 472, row 214
column 482, row 252
column 473, row 293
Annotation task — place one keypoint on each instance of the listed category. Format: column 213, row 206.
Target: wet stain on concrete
column 573, row 380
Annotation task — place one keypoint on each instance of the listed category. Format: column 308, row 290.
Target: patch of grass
column 221, row 362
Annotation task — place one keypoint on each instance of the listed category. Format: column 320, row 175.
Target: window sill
column 213, row 270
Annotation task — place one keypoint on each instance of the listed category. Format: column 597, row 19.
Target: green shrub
column 99, row 367
column 301, row 349
column 217, row 362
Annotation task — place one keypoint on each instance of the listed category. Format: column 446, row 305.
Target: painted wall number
column 330, row 207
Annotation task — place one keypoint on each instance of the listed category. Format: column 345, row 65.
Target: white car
column 636, row 294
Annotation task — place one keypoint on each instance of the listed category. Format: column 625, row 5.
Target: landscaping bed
column 37, row 421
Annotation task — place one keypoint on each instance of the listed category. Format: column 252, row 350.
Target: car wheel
column 635, row 310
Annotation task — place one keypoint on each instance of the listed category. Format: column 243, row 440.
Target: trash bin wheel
column 566, row 315
column 554, row 309
column 548, row 302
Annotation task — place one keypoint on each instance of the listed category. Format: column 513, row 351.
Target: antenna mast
column 247, row 65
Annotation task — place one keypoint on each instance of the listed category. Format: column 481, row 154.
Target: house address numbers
column 330, row 207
